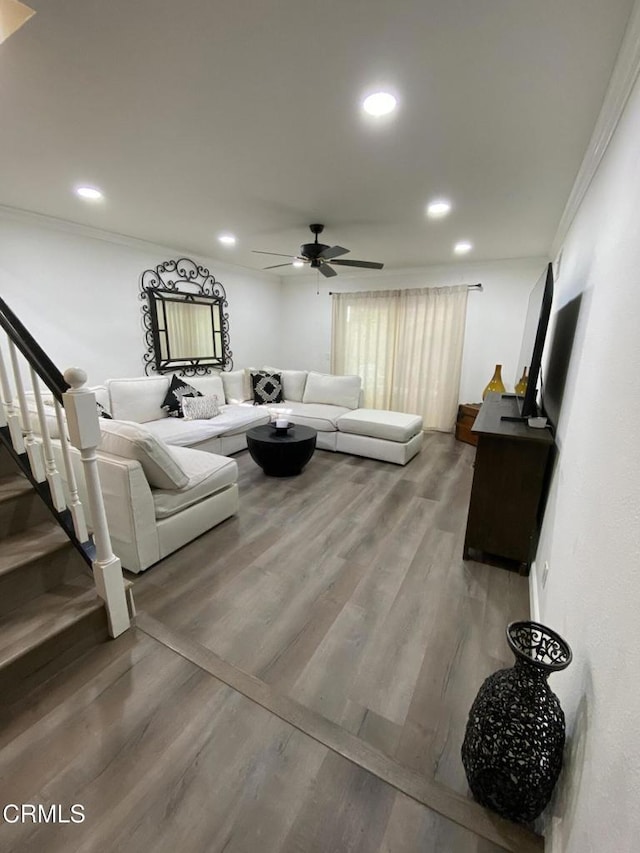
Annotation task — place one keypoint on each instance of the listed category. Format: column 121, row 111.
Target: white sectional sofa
column 167, row 480
column 329, row 404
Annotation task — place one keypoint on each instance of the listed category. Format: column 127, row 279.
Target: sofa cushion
column 231, row 421
column 235, row 390
column 132, row 441
column 179, row 388
column 266, row 387
column 333, row 390
column 138, row 399
column 207, row 473
column 317, row 415
column 201, row 408
column 208, row 385
column 378, row 423
column 293, row 382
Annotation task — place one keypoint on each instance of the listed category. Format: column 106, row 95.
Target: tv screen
column 558, row 357
column 535, row 331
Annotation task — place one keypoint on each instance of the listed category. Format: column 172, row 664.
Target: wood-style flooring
column 299, row 680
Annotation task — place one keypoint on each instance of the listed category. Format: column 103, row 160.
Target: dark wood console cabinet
column 505, row 510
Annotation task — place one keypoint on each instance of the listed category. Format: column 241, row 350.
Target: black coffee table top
column 268, row 434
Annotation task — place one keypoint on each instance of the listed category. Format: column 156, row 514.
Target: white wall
column 78, row 295
column 591, row 531
column 495, row 317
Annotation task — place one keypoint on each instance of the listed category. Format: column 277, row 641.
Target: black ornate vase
column 513, row 744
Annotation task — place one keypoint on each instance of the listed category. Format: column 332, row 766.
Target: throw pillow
column 332, row 390
column 293, row 382
column 267, row 388
column 200, row 408
column 172, row 403
column 102, row 412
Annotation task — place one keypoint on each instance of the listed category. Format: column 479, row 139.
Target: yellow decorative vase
column 521, row 387
column 495, row 383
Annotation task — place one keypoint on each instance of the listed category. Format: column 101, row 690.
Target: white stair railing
column 75, row 504
column 51, row 471
column 84, row 432
column 31, row 443
column 10, row 416
column 29, row 430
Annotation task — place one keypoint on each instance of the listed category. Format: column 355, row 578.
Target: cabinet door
column 505, row 497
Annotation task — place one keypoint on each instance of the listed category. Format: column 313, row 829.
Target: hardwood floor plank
column 456, row 808
column 330, row 819
column 346, row 587
column 338, row 605
column 202, row 769
column 284, row 668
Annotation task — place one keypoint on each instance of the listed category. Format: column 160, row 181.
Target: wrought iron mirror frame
column 182, row 280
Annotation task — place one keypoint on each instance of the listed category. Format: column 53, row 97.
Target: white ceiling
column 197, row 116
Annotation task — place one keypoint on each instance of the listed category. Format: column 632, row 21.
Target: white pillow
column 132, row 441
column 208, row 385
column 293, row 382
column 234, row 386
column 138, row 399
column 200, row 408
column 332, row 390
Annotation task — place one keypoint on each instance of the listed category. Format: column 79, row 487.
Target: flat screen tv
column 535, row 332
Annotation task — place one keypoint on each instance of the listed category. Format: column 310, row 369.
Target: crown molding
column 623, row 79
column 67, row 226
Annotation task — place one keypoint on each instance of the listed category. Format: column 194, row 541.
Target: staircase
column 61, row 585
column 49, row 608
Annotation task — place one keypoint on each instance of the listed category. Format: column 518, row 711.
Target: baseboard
column 534, row 601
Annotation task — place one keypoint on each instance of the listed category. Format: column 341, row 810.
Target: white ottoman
column 389, row 436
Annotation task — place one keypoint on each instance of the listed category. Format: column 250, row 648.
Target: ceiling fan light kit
column 320, row 256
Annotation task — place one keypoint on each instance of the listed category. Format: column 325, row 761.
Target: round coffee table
column 281, row 454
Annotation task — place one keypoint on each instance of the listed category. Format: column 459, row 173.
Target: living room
column 74, row 282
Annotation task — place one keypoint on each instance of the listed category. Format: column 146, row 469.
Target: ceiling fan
column 319, row 256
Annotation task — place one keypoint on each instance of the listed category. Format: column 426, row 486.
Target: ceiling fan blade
column 275, row 266
column 370, row 265
column 332, row 252
column 279, row 254
column 326, row 271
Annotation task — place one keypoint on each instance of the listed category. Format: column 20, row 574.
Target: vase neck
column 531, row 669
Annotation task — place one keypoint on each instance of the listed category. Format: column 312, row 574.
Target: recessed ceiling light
column 438, row 208
column 91, row 193
column 298, row 263
column 379, row 104
column 227, row 239
column 462, row 247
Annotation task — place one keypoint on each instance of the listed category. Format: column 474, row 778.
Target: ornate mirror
column 186, row 324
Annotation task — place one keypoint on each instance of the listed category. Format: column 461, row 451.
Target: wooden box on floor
column 467, row 413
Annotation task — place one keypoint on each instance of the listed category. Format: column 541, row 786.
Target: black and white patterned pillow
column 201, row 408
column 267, row 388
column 102, row 412
column 172, row 403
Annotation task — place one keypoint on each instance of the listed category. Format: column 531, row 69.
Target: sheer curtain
column 406, row 345
column 189, row 329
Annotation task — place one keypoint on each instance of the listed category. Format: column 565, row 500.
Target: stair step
column 34, row 561
column 7, row 462
column 40, row 540
column 20, row 505
column 61, row 620
column 13, row 486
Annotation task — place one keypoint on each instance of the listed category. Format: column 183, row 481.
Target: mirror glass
column 187, row 330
